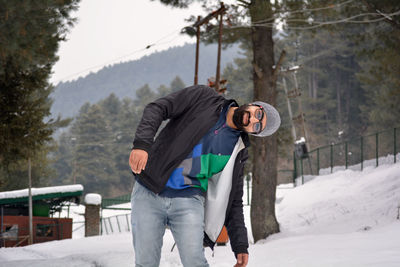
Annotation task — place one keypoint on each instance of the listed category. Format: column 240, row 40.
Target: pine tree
column 380, row 67
column 93, row 158
column 63, row 160
column 177, row 84
column 127, row 123
column 29, row 36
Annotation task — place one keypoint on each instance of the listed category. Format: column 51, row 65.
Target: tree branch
column 278, row 66
column 246, row 4
column 387, row 18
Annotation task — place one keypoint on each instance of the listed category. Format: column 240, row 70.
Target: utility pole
column 30, row 241
column 197, row 25
column 302, row 117
column 196, row 68
column 295, row 93
column 289, row 109
column 74, row 171
column 217, row 76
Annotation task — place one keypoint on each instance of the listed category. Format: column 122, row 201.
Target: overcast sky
column 112, row 31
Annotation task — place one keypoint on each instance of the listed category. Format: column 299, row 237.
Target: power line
column 323, row 23
column 347, row 20
column 174, row 32
column 303, row 10
column 259, row 24
column 158, row 42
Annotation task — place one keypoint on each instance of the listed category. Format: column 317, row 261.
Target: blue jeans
column 150, row 216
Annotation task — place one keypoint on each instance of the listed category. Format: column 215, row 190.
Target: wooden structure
column 14, row 214
column 218, row 14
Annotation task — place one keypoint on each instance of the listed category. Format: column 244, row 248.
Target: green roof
column 46, row 194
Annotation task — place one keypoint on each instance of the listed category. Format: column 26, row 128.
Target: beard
column 238, row 116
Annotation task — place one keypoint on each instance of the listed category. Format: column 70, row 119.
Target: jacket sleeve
column 235, row 219
column 165, row 108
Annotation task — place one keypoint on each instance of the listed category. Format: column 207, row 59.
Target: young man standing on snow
column 190, row 177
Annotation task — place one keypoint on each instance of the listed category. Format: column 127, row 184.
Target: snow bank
column 343, row 202
column 348, row 218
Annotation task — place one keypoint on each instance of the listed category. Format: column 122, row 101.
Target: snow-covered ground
column 348, row 218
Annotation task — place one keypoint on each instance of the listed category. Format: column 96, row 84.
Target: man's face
column 250, row 118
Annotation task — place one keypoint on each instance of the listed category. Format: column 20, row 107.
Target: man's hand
column 138, row 160
column 242, row 260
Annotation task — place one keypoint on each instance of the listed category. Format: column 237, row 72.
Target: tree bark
column 314, row 76
column 265, row 157
column 339, row 100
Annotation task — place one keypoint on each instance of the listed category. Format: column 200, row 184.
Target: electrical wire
column 303, row 10
column 156, row 43
column 258, row 24
column 101, row 65
column 346, row 20
column 175, row 31
column 323, row 23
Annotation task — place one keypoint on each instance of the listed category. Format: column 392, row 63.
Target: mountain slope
column 125, row 78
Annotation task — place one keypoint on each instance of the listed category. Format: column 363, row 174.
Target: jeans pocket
column 200, row 199
column 136, row 188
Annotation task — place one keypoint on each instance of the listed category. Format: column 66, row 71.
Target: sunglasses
column 259, row 115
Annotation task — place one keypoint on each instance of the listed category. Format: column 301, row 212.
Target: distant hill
column 125, row 78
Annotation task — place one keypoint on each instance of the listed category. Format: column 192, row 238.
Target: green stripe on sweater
column 210, row 165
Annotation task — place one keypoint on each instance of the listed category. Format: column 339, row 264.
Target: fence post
column 294, row 169
column 119, row 227
column 376, row 149
column 127, row 222
column 92, row 214
column 109, row 222
column 105, row 225
column 248, row 189
column 346, row 151
column 362, row 152
column 301, row 169
column 317, row 161
column 394, row 145
column 331, row 158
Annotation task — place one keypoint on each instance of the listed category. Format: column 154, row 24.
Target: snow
column 41, row 191
column 93, row 199
column 348, row 218
column 302, row 140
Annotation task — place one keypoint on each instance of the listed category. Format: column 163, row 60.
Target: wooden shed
column 14, row 214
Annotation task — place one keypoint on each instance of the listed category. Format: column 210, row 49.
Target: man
column 190, row 177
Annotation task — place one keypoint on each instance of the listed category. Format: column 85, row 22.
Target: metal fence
column 356, row 154
column 108, row 202
column 115, row 224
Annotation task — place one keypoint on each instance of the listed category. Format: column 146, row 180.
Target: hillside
column 125, row 78
column 348, row 218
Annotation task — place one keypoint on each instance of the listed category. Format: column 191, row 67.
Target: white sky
column 109, row 32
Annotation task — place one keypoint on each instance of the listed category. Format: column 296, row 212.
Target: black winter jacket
column 191, row 113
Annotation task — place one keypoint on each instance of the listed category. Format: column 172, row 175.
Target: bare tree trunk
column 338, row 100
column 314, row 78
column 348, row 93
column 265, row 158
column 309, row 77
